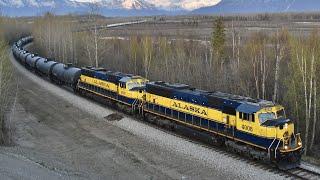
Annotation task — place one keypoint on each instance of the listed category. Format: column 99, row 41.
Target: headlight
column 286, row 147
column 286, row 126
column 299, row 143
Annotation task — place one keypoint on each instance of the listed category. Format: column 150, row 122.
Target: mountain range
column 155, row 7
column 105, row 7
column 260, row 6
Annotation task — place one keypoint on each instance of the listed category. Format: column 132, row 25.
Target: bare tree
column 166, row 51
column 238, row 50
column 314, row 114
column 280, row 41
column 148, row 54
column 257, row 49
column 134, row 48
column 306, row 62
column 94, row 12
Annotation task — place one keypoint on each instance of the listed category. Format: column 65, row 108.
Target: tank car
column 22, row 56
column 25, row 40
column 31, row 61
column 65, row 75
column 19, row 43
column 20, row 53
column 44, row 66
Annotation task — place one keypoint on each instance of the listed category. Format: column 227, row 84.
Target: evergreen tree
column 218, row 40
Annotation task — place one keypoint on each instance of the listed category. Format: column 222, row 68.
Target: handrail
column 269, row 152
column 275, row 151
column 134, row 104
column 141, row 105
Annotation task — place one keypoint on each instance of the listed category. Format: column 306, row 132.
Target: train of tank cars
column 257, row 128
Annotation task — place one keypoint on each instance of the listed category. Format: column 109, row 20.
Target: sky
column 186, row 4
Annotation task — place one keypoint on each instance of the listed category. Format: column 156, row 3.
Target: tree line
column 278, row 66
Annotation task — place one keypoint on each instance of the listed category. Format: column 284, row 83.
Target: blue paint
column 213, row 126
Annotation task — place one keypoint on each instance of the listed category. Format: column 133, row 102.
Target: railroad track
column 303, row 173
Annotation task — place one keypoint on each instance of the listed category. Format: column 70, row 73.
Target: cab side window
column 251, row 117
column 246, row 116
column 122, row 85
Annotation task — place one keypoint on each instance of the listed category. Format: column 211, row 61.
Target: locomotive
column 254, row 127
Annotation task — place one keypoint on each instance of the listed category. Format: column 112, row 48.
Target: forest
column 278, row 65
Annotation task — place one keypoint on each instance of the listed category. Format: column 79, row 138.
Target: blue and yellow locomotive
column 125, row 89
column 257, row 128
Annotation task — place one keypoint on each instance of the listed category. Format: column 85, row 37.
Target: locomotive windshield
column 263, row 117
column 132, row 85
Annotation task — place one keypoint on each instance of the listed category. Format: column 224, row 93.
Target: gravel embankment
column 200, row 163
column 13, row 165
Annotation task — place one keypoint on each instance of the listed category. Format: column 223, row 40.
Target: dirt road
column 58, row 135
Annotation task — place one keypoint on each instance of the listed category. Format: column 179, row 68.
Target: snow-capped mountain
column 155, row 7
column 29, row 3
column 132, row 4
column 167, row 5
column 117, row 4
column 106, row 7
column 159, row 4
column 260, row 6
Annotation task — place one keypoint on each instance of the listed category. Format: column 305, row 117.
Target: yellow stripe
column 105, row 96
column 99, row 83
column 230, row 137
column 207, row 118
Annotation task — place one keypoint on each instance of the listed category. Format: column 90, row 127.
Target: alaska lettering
column 190, row 108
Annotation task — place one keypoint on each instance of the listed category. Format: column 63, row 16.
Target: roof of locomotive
column 107, row 75
column 241, row 103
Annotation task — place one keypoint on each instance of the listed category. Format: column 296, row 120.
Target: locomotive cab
column 274, row 124
column 286, row 146
column 265, row 125
column 132, row 87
